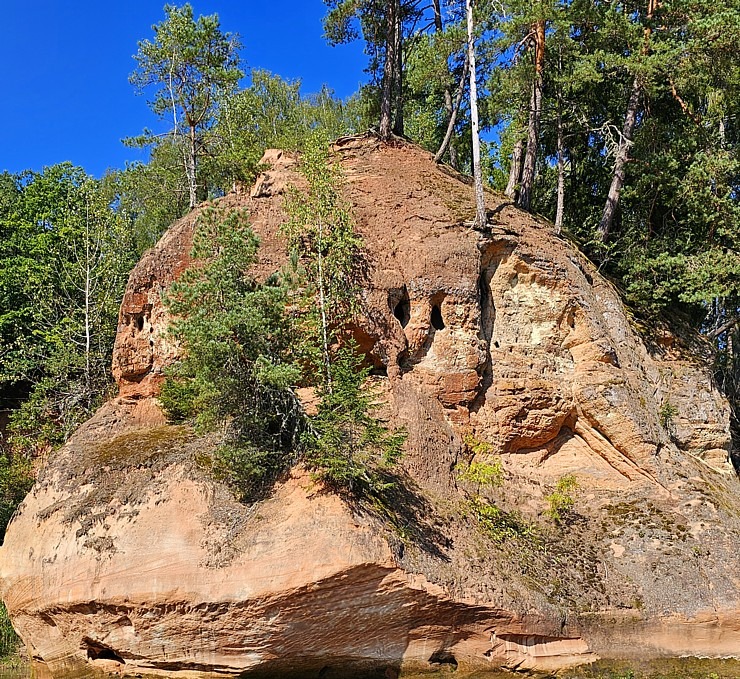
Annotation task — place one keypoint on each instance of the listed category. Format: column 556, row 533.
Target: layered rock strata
column 127, row 556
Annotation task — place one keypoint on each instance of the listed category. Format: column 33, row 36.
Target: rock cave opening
column 437, row 320
column 401, row 305
column 140, row 323
column 96, row 651
column 443, row 658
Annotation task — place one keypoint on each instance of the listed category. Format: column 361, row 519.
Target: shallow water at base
column 673, row 668
column 678, row 668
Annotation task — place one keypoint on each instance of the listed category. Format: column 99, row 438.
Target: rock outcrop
column 128, row 557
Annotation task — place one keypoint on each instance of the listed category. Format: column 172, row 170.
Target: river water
column 680, row 668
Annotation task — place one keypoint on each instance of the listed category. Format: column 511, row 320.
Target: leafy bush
column 499, row 525
column 666, row 414
column 9, row 641
column 484, row 474
column 561, row 501
column 16, row 480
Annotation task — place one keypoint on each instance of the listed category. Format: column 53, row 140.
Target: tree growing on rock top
column 191, row 64
column 386, row 27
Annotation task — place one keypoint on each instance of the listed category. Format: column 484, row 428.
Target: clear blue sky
column 64, row 69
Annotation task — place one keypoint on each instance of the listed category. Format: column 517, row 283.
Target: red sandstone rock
column 126, row 556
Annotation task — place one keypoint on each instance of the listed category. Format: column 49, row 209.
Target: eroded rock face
column 128, row 557
column 143, row 346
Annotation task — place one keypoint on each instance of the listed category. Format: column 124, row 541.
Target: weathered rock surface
column 127, row 557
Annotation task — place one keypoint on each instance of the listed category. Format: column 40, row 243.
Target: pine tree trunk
column 453, row 119
column 625, row 142
column 535, row 112
column 480, row 207
column 398, row 125
column 515, row 172
column 620, row 164
column 389, row 80
column 454, row 160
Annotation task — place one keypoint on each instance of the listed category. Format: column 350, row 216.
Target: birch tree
column 480, row 206
column 190, row 64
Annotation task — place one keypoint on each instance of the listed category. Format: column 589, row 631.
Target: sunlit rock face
column 129, row 557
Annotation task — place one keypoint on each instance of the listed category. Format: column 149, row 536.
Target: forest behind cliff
column 616, row 121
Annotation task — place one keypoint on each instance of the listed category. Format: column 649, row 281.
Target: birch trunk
column 560, row 207
column 480, row 207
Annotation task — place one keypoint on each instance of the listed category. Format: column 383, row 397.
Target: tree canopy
column 191, row 64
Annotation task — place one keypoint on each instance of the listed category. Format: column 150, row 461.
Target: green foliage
column 148, row 197
column 248, row 469
column 498, row 525
column 666, row 414
column 190, row 65
column 345, row 443
column 179, row 394
column 326, row 249
column 236, row 336
column 64, row 259
column 560, row 502
column 477, row 446
column 245, row 351
column 484, row 474
column 271, row 113
column 16, row 479
column 9, row 641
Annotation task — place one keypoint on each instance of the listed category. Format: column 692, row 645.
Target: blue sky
column 64, row 70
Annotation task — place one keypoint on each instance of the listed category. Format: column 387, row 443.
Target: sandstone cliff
column 128, row 557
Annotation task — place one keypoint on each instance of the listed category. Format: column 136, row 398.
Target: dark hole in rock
column 443, row 658
column 379, row 371
column 402, row 308
column 140, row 322
column 437, row 321
column 151, row 343
column 495, row 344
column 99, row 652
